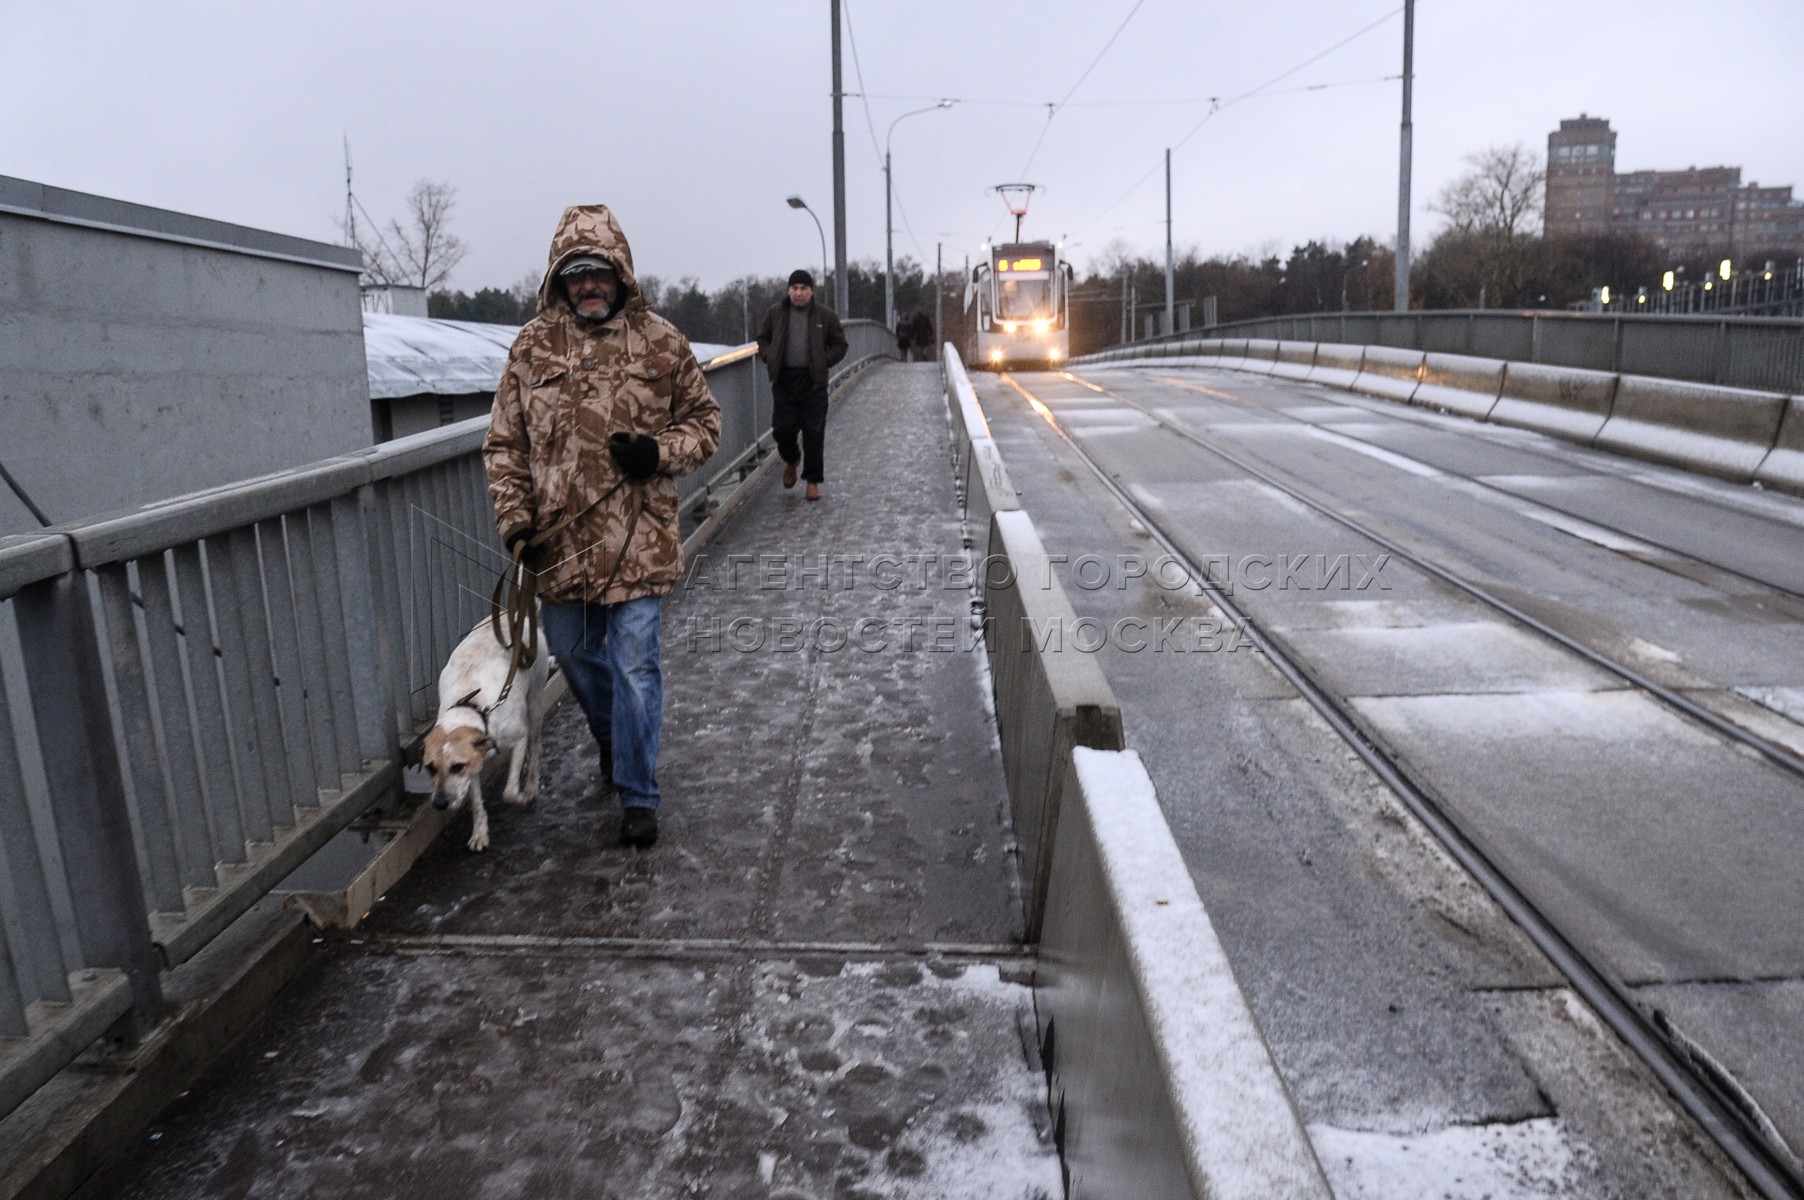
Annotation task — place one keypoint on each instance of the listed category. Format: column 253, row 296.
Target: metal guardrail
column 196, row 695
column 1748, row 352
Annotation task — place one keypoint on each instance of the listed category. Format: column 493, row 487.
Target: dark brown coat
column 826, row 340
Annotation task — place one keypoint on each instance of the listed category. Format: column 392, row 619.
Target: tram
column 1019, row 307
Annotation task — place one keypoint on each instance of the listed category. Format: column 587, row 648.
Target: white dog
column 473, row 723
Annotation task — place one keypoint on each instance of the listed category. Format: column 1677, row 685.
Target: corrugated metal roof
column 421, row 356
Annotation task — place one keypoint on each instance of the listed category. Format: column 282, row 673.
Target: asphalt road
column 1409, row 1016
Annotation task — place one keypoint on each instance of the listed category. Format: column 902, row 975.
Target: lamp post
column 798, row 202
column 889, row 257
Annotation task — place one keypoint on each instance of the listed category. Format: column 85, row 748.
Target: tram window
column 1024, row 299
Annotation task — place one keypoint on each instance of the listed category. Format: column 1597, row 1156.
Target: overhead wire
column 1216, row 106
column 1174, row 101
column 1052, row 110
column 858, row 72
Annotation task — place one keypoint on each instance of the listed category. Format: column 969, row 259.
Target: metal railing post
column 87, row 791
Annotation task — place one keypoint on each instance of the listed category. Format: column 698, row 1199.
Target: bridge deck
column 813, row 985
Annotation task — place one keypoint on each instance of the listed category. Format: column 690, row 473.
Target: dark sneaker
column 638, row 826
column 608, row 787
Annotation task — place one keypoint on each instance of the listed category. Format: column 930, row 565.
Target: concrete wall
column 146, row 353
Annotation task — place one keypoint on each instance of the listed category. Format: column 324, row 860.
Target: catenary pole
column 1401, row 299
column 842, row 291
column 1170, row 289
column 939, row 296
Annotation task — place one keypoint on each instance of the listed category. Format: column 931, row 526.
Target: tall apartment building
column 1581, row 170
column 1695, row 211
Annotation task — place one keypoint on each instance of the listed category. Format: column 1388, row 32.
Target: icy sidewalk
column 813, row 986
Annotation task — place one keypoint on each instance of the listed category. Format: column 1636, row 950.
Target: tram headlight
column 1053, row 353
column 996, row 355
column 1042, row 326
column 1008, row 327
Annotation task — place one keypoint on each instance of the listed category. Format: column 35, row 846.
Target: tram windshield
column 1024, row 283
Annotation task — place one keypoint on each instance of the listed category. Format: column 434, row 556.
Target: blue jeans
column 609, row 653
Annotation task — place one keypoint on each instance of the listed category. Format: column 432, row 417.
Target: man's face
column 592, row 293
column 800, row 294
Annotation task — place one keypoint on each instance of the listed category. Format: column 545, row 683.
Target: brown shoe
column 814, row 491
column 789, row 475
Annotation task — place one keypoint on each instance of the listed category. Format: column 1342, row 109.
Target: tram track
column 1780, row 755
column 1727, row 1114
column 1508, row 496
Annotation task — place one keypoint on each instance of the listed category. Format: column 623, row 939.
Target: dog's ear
column 485, row 743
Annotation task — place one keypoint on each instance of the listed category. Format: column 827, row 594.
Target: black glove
column 636, row 453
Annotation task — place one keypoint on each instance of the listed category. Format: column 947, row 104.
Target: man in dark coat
column 800, row 341
column 920, row 335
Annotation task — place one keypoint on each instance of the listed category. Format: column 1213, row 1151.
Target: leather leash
column 515, row 619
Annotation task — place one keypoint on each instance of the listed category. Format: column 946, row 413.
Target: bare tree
column 1499, row 198
column 423, row 252
column 1493, row 229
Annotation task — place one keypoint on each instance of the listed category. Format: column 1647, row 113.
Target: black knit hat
column 802, row 277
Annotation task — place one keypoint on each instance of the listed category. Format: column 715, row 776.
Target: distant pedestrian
column 800, row 341
column 601, row 408
column 903, row 330
column 920, row 335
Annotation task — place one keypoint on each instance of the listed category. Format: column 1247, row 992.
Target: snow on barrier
column 1161, row 1080
column 1336, row 364
column 1567, row 402
column 1050, row 695
column 1294, row 360
column 1784, row 465
column 1233, row 353
column 1389, row 373
column 1260, row 357
column 976, row 463
column 1460, row 383
column 1717, row 430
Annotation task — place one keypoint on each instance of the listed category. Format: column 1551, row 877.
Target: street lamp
column 798, row 202
column 889, row 257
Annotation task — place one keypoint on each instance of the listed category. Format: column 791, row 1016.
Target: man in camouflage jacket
column 601, row 408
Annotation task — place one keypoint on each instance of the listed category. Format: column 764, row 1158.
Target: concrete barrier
column 1295, row 359
column 1261, row 356
column 1784, row 465
column 1161, row 1080
column 1337, row 364
column 1390, row 374
column 1050, row 696
column 1233, row 353
column 1460, row 383
column 976, row 463
column 1567, row 402
column 1717, row 430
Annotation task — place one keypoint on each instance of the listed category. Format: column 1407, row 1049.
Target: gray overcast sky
column 694, row 120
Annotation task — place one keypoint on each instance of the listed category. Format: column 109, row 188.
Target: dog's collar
column 469, row 702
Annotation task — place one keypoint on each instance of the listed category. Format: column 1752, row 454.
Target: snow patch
column 1523, row 1160
column 1787, row 702
column 1570, row 716
column 1390, row 458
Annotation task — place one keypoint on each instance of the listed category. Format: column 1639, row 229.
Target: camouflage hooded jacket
column 568, row 384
